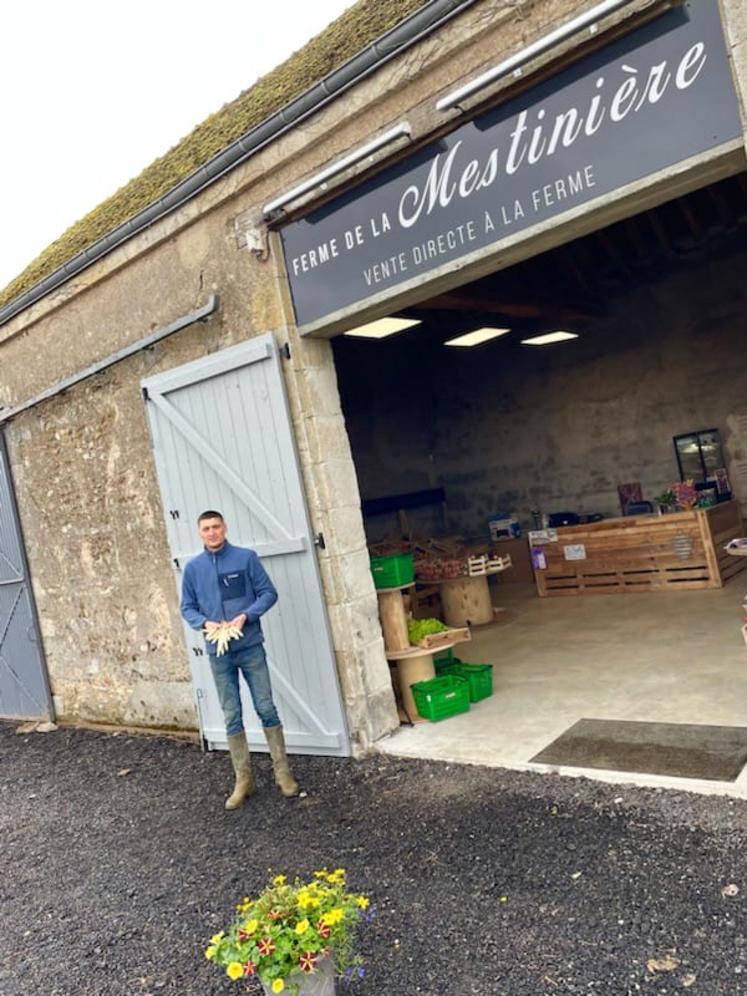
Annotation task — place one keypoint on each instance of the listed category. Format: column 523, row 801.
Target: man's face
column 213, row 533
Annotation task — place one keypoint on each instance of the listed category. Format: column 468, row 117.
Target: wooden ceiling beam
column 728, row 220
column 614, row 253
column 565, row 258
column 536, row 307
column 634, row 233
column 659, row 232
column 692, row 220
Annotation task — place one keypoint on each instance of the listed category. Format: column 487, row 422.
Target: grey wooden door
column 24, row 690
column 223, row 439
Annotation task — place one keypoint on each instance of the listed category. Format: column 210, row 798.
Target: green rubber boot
column 283, row 777
column 242, row 766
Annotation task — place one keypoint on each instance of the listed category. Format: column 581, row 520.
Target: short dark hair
column 210, row 513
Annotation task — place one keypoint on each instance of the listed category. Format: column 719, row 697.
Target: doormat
column 715, row 753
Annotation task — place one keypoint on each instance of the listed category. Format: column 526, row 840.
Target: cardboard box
column 520, row 571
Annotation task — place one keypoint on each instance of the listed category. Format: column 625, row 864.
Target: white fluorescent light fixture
column 476, row 337
column 515, row 62
column 402, row 130
column 383, row 327
column 548, row 337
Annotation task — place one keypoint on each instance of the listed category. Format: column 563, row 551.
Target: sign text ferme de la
column 652, row 99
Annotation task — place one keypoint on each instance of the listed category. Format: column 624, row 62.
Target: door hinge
column 144, row 392
column 174, row 513
column 176, row 563
column 286, row 350
column 319, row 541
column 198, row 651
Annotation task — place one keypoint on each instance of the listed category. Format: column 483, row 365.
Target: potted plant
column 295, row 937
column 666, row 501
column 685, row 494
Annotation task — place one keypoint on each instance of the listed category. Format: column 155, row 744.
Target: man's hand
column 209, row 626
column 239, row 621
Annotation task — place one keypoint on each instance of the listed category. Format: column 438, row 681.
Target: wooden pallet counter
column 681, row 550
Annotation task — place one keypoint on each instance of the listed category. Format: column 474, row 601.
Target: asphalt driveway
column 117, row 862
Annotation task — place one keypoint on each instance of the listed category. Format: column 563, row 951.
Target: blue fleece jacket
column 220, row 585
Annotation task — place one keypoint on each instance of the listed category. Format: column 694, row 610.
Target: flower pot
column 320, row 982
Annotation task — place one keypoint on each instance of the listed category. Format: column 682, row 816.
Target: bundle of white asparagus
column 221, row 636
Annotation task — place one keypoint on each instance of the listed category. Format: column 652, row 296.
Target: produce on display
column 418, row 629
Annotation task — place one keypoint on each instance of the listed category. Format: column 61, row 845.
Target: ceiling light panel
column 548, row 337
column 476, row 337
column 383, row 327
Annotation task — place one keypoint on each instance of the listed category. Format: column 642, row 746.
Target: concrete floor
column 671, row 658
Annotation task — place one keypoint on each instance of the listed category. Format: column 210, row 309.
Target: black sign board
column 654, row 98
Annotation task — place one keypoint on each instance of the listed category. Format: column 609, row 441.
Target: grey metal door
column 24, row 690
column 223, row 439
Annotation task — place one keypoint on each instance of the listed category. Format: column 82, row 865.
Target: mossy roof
column 344, row 38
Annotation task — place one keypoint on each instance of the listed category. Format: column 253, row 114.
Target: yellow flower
column 217, row 938
column 279, row 880
column 210, row 952
column 302, row 926
column 333, row 916
column 322, row 873
column 315, row 903
column 250, row 926
column 235, row 970
column 363, row 902
column 278, row 986
column 304, row 899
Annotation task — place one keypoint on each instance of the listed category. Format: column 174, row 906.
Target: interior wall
column 505, row 427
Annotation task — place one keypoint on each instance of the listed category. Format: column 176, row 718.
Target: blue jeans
column 252, row 663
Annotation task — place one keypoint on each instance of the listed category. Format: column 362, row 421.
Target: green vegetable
column 418, row 628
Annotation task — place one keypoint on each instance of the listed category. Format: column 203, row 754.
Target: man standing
column 227, row 583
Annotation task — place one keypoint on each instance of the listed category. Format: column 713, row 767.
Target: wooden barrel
column 393, row 619
column 466, row 601
column 411, row 670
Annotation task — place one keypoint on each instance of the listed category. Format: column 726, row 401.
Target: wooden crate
column 675, row 552
column 435, row 641
column 724, row 524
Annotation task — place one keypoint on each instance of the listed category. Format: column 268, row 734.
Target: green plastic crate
column 444, row 660
column 479, row 677
column 441, row 697
column 393, row 571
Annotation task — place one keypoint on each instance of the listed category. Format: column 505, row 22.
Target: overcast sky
column 93, row 92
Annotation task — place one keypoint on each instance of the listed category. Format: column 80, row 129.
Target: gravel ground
column 485, row 881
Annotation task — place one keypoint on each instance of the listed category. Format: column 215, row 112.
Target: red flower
column 266, row 946
column 324, row 930
column 249, row 968
column 307, row 961
column 243, row 935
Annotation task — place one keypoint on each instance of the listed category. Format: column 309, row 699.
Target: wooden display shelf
column 673, row 552
column 403, row 655
column 443, row 641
